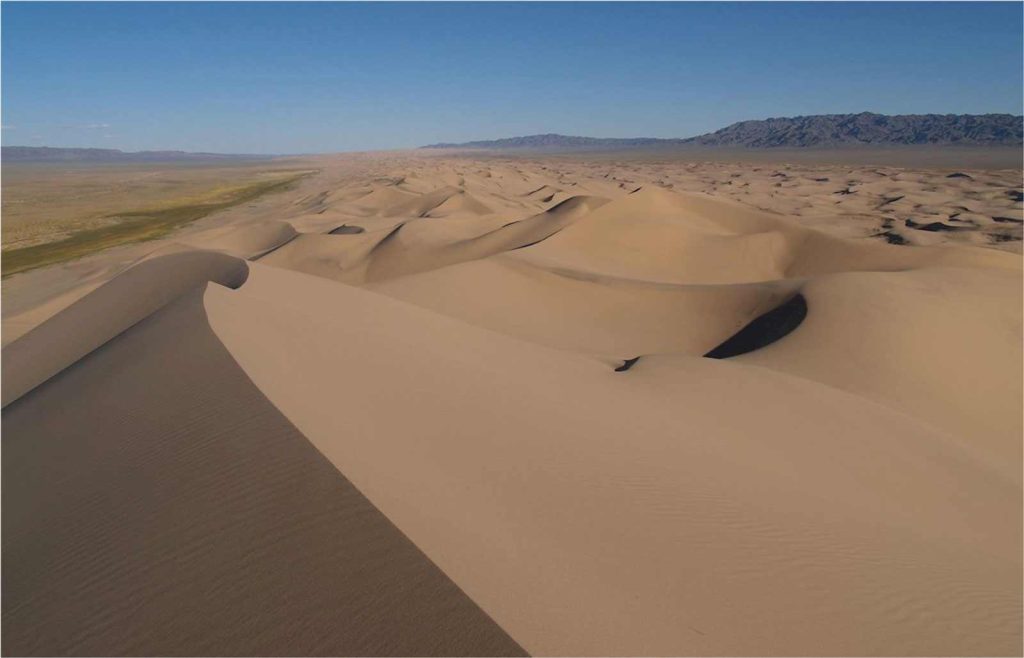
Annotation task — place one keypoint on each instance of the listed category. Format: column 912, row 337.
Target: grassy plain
column 53, row 213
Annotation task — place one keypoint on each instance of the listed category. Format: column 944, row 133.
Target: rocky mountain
column 822, row 130
column 869, row 128
column 49, row 154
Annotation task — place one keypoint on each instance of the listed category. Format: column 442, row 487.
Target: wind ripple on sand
column 155, row 503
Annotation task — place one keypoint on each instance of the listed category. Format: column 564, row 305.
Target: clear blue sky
column 318, row 77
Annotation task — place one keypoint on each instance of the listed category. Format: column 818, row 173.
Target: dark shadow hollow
column 764, row 329
column 892, row 237
column 627, row 364
column 346, row 229
column 935, row 227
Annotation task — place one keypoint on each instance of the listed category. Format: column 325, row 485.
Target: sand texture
column 453, row 405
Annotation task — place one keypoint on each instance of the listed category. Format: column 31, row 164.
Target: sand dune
column 106, row 312
column 444, row 406
column 601, row 315
column 408, row 251
column 902, row 347
column 245, row 241
column 165, row 507
column 586, row 518
column 380, row 199
column 439, row 203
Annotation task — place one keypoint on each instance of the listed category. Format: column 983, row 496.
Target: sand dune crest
column 106, row 312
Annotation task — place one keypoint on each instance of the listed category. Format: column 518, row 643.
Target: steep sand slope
column 418, row 245
column 104, row 313
column 155, row 503
column 594, row 512
column 892, row 337
column 588, row 312
column 244, row 241
column 657, row 235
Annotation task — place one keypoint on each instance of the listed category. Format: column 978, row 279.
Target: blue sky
column 319, row 77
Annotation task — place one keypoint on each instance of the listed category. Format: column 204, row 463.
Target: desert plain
column 433, row 403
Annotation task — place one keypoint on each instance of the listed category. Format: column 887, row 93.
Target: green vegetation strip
column 133, row 226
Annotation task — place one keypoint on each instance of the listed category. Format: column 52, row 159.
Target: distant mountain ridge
column 868, row 128
column 555, row 140
column 50, row 154
column 865, row 128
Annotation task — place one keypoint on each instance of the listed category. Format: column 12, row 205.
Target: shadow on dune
column 764, row 329
column 346, row 229
column 109, row 310
column 627, row 364
column 156, row 503
column 392, row 257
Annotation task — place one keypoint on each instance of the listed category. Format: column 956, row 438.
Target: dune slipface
column 445, row 406
column 174, row 511
column 104, row 313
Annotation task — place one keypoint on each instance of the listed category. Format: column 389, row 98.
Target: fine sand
column 444, row 405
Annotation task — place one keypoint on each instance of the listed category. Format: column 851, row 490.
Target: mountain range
column 822, row 130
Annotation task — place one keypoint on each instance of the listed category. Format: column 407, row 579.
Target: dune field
column 423, row 404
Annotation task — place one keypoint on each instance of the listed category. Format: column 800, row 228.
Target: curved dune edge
column 892, row 337
column 155, row 503
column 764, row 330
column 245, row 241
column 626, row 279
column 585, row 312
column 546, row 503
column 410, row 247
column 102, row 314
column 660, row 235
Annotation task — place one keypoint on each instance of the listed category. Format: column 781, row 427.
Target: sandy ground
column 433, row 405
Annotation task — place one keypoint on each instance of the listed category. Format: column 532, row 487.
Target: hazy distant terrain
column 552, row 140
column 911, row 156
column 865, row 128
column 50, row 154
